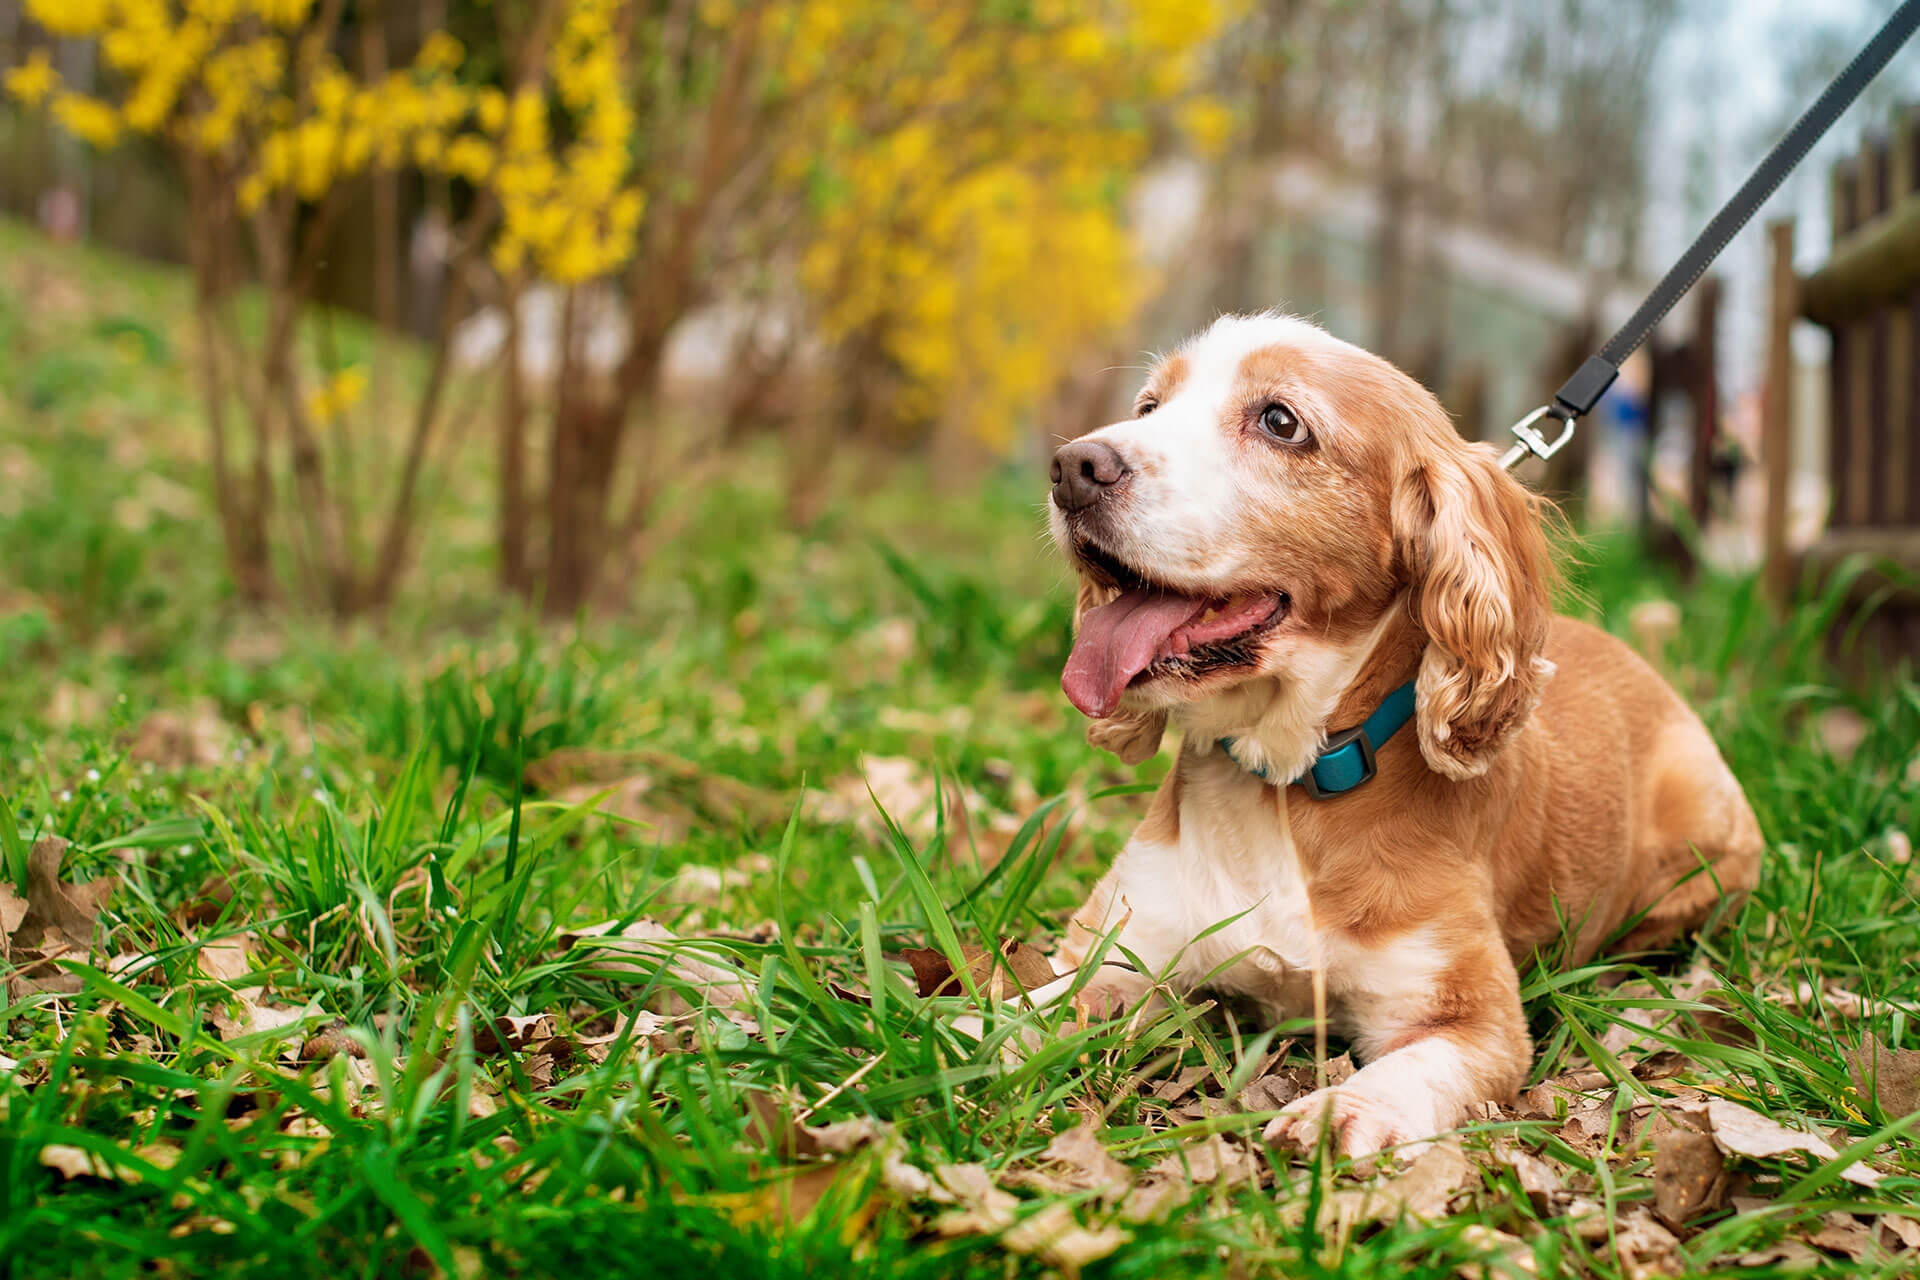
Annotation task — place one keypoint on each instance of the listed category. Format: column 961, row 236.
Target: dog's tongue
column 1118, row 641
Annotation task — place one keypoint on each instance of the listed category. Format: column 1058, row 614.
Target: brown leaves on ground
column 1017, row 967
column 1890, row 1077
column 693, row 976
column 54, row 921
column 198, row 735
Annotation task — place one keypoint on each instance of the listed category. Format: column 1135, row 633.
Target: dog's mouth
column 1149, row 631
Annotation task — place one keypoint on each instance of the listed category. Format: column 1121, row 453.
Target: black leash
column 1583, row 390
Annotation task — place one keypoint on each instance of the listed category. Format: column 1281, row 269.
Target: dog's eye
column 1280, row 422
column 1145, row 407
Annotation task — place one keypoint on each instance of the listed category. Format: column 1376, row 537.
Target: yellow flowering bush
column 939, row 183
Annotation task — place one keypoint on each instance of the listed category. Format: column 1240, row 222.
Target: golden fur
column 1553, row 792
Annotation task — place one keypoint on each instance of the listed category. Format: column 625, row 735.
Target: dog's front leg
column 1437, row 1019
column 1119, row 986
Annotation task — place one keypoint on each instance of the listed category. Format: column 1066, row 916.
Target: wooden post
column 1776, row 408
column 1703, row 392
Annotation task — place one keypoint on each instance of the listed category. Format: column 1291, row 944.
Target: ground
column 299, row 915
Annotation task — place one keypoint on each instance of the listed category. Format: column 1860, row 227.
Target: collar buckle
column 1347, row 762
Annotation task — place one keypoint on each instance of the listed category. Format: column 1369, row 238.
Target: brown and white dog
column 1288, row 530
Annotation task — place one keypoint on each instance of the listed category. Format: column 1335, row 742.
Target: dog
column 1287, row 540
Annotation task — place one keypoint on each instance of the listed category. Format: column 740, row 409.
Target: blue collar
column 1348, row 760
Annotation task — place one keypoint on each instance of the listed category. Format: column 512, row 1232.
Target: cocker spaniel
column 1400, row 774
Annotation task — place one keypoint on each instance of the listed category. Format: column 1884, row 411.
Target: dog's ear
column 1134, row 738
column 1471, row 537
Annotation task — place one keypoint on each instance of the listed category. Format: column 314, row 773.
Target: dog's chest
column 1233, row 891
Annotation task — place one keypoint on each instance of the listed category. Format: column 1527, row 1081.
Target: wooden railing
column 1867, row 296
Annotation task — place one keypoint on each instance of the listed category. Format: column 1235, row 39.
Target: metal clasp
column 1532, row 442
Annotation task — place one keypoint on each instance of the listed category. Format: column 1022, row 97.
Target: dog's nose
column 1083, row 472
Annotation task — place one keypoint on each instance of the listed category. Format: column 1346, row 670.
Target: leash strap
column 1583, row 390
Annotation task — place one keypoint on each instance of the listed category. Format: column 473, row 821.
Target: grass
column 397, row 823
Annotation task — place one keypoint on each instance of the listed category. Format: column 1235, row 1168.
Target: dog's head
column 1277, row 495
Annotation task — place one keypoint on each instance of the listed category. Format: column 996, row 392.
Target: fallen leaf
column 1642, row 1246
column 1902, row 1229
column 1787, row 1255
column 1055, row 1236
column 1741, row 1131
column 1689, row 1173
column 69, row 911
column 513, row 1034
column 1844, row 1234
column 208, row 904
column 643, row 1028
column 174, row 739
column 59, row 920
column 984, row 1208
column 1538, row 1179
column 256, row 1017
column 1212, row 1159
column 1514, row 1255
column 1891, row 1077
column 933, row 974
column 228, row 960
column 1076, row 1161
column 1423, row 1190
column 72, row 1162
column 653, row 951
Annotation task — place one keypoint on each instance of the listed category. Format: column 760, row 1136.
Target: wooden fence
column 1867, row 296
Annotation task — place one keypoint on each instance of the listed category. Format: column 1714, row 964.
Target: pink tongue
column 1117, row 642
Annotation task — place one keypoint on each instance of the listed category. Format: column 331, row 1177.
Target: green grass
column 399, row 869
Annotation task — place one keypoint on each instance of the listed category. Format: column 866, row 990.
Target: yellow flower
column 31, row 81
column 71, row 17
column 88, row 119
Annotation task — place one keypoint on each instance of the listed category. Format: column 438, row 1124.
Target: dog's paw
column 1356, row 1122
column 1110, row 993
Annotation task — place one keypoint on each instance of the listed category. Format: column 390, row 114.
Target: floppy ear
column 1134, row 738
column 1481, row 574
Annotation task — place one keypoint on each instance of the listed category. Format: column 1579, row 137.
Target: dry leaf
column 228, row 960
column 208, row 905
column 513, row 1034
column 1057, row 1238
column 1209, row 1160
column 1891, row 1077
column 1902, row 1229
column 174, row 739
column 1642, row 1246
column 1787, row 1255
column 1689, row 1173
column 651, row 950
column 59, row 920
column 1741, row 1131
column 983, row 1207
column 1422, row 1191
column 1513, row 1254
column 72, row 1162
column 1076, row 1161
column 257, row 1017
column 646, row 1029
column 1844, row 1234
column 934, row 975
column 1538, row 1179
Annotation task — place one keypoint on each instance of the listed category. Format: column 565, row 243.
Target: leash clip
column 1532, row 442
